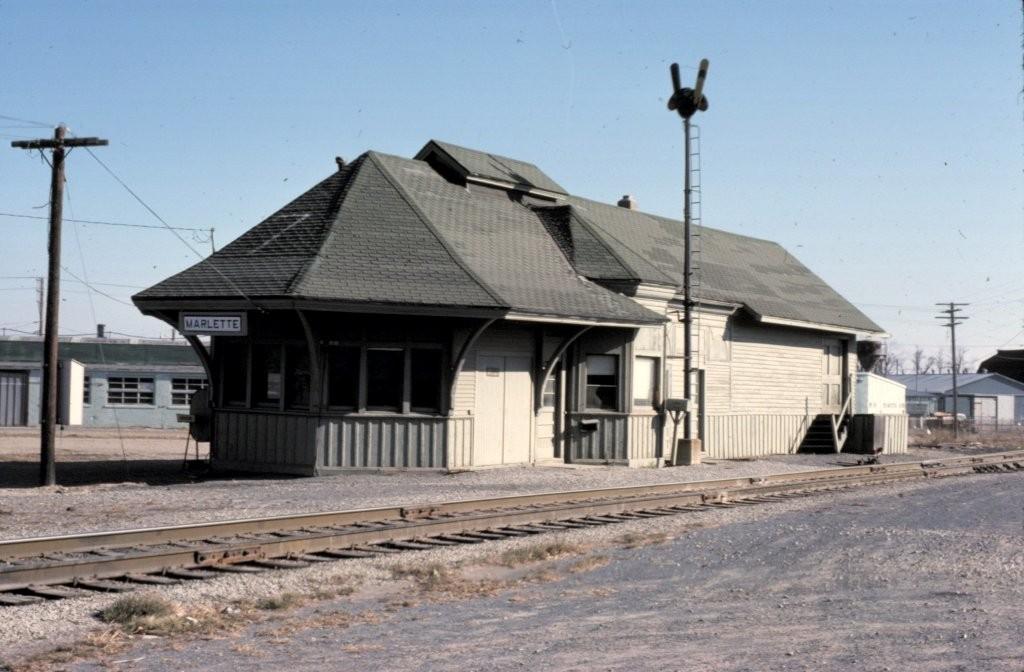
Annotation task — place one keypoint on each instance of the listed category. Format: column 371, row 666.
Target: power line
column 171, row 229
column 98, row 291
column 106, row 223
column 37, row 124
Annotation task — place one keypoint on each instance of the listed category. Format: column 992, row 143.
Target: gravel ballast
column 150, row 489
column 924, row 575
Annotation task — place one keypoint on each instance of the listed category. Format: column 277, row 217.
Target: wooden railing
column 839, row 432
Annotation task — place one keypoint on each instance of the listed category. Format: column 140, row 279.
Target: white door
column 501, row 432
column 831, row 376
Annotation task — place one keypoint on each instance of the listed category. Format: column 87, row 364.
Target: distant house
column 986, row 398
column 127, row 383
column 1009, row 363
column 462, row 309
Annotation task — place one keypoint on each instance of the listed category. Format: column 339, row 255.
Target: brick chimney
column 627, row 202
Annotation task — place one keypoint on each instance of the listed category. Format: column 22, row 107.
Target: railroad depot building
column 461, row 310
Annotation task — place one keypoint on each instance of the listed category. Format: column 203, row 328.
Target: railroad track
column 42, row 568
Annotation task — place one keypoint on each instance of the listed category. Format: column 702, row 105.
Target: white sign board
column 221, row 324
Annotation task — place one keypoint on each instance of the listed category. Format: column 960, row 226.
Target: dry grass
column 279, row 602
column 96, row 645
column 438, row 581
column 538, row 553
column 641, row 539
column 152, row 615
column 588, row 564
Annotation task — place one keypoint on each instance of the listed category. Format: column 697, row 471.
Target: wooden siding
column 605, row 444
column 265, row 440
column 749, row 435
column 460, row 442
column 379, row 442
column 644, row 430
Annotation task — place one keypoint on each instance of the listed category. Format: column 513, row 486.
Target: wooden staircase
column 828, row 432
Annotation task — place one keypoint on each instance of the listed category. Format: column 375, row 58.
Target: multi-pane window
column 645, row 381
column 548, row 397
column 234, row 358
column 131, row 391
column 385, row 369
column 266, row 374
column 425, row 380
column 602, row 382
column 87, row 391
column 182, row 390
column 297, row 378
column 343, row 376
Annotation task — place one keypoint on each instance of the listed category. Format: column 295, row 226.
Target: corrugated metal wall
column 895, row 434
column 13, row 398
column 383, row 442
column 260, row 440
column 747, row 435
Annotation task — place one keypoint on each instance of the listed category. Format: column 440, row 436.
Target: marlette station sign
column 213, row 323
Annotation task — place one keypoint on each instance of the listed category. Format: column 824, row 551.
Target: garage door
column 13, row 398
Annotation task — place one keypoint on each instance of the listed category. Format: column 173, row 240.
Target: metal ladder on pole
column 696, row 247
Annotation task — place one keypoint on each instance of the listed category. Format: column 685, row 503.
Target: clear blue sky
column 881, row 142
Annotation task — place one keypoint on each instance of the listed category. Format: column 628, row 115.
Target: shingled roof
column 434, row 232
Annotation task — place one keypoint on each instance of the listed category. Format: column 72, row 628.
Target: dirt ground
column 921, row 576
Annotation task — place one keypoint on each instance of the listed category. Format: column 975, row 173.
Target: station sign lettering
column 228, row 324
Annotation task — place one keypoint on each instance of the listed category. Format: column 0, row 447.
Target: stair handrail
column 837, row 422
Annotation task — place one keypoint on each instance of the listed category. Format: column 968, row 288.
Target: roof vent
column 101, row 330
column 628, row 202
column 340, row 161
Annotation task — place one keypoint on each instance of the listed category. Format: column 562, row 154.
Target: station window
column 385, row 369
column 297, row 378
column 234, row 359
column 602, row 382
column 130, row 391
column 343, row 376
column 87, row 391
column 182, row 390
column 266, row 374
column 645, row 382
column 425, row 380
column 548, row 398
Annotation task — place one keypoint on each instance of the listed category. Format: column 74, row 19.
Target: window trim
column 137, row 391
column 586, row 384
column 655, row 402
column 203, row 383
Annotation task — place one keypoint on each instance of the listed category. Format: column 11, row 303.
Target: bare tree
column 920, row 363
column 963, row 364
column 940, row 361
column 890, row 363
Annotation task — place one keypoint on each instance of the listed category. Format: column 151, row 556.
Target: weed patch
column 538, row 552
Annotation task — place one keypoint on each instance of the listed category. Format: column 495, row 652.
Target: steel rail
column 95, row 557
column 283, row 523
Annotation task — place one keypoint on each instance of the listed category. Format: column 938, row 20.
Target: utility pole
column 686, row 102
column 48, row 420
column 951, row 314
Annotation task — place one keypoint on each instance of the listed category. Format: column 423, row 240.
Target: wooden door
column 502, row 426
column 832, row 376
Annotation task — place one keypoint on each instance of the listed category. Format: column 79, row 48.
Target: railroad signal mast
column 48, row 420
column 687, row 102
column 951, row 314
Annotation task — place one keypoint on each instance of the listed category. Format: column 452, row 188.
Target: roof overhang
column 818, row 326
column 583, row 321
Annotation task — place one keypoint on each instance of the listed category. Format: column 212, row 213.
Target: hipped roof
column 401, row 232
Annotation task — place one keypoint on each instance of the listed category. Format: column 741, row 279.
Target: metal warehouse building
column 462, row 309
column 127, row 383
